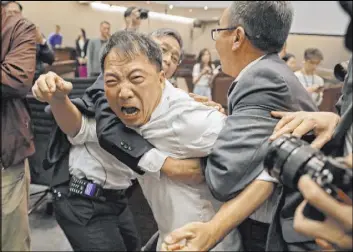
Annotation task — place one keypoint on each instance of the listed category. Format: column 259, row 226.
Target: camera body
column 289, row 158
column 143, row 13
column 340, row 70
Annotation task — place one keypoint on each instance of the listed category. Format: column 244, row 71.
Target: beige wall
column 332, row 47
column 72, row 16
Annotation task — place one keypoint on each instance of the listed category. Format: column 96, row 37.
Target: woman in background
column 81, row 54
column 290, row 61
column 203, row 73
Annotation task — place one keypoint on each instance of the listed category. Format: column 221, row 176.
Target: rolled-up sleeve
column 152, row 162
column 87, row 132
column 265, row 176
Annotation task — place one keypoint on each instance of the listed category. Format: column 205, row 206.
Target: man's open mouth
column 130, row 111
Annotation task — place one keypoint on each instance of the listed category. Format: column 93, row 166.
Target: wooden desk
column 65, row 69
column 66, row 53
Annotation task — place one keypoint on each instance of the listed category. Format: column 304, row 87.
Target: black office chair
column 42, row 125
column 80, row 85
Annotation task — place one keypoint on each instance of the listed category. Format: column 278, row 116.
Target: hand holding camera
column 337, row 227
column 326, row 185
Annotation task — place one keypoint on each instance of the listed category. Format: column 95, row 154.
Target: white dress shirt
column 181, row 128
column 88, row 160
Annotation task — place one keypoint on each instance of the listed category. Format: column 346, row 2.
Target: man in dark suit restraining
column 248, row 41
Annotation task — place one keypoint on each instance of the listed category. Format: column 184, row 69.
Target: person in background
column 312, row 82
column 12, row 7
column 55, row 39
column 203, row 73
column 18, row 60
column 81, row 54
column 44, row 54
column 132, row 18
column 94, row 48
column 290, row 61
column 172, row 43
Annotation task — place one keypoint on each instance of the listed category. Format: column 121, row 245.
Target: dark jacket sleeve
column 45, row 54
column 123, row 143
column 18, row 67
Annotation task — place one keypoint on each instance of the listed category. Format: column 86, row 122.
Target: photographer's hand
column 337, row 227
column 328, row 230
column 300, row 123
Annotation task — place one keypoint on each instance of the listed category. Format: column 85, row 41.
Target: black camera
column 289, row 158
column 340, row 70
column 143, row 13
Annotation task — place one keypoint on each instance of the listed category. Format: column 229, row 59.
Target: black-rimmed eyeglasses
column 215, row 32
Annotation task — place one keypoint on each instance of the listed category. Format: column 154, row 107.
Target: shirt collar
column 242, row 72
column 164, row 102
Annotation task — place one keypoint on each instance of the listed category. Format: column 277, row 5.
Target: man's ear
column 162, row 78
column 238, row 37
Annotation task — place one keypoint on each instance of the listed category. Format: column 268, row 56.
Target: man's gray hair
column 163, row 32
column 267, row 23
column 130, row 44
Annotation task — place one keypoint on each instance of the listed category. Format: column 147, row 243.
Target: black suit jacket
column 79, row 50
column 123, row 143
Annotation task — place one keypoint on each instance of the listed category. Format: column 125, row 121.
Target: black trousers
column 254, row 235
column 92, row 225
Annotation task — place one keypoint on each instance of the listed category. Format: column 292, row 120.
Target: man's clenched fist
column 51, row 87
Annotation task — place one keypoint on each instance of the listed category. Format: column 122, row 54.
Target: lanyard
column 306, row 81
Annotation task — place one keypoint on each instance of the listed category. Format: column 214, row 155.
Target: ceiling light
column 190, row 10
column 171, row 6
column 148, row 2
column 206, row 8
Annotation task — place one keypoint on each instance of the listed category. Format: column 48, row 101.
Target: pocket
column 13, row 189
column 74, row 209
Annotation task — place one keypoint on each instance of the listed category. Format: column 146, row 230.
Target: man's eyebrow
column 108, row 74
column 166, row 44
column 139, row 70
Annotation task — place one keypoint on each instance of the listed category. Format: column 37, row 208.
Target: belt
column 111, row 194
column 108, row 194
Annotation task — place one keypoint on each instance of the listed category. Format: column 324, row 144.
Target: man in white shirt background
column 307, row 76
column 139, row 88
column 88, row 161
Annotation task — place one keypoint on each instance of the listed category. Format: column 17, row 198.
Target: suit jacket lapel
column 230, row 107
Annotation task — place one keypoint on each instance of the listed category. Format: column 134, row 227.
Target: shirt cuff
column 265, row 176
column 152, row 162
